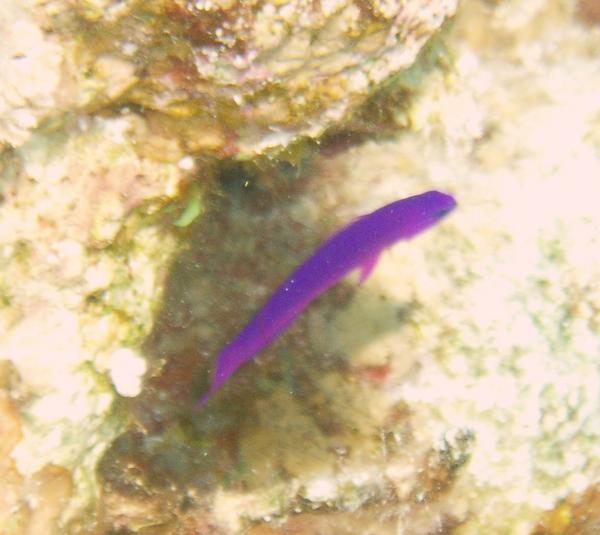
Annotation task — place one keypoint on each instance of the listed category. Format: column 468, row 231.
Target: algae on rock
column 462, row 378
column 221, row 77
column 74, row 294
column 459, row 381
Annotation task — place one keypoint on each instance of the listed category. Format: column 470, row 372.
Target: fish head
column 437, row 205
column 408, row 217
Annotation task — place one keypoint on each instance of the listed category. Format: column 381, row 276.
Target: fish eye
column 441, row 212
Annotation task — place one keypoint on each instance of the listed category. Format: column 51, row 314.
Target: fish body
column 356, row 246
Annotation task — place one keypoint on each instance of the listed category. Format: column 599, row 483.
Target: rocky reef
column 456, row 391
column 229, row 77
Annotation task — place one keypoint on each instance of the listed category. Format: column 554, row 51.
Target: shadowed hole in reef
column 237, row 252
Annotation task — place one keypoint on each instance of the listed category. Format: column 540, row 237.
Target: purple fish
column 358, row 245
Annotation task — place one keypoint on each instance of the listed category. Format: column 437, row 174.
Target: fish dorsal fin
column 367, row 267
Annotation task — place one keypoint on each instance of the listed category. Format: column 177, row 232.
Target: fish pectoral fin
column 367, row 267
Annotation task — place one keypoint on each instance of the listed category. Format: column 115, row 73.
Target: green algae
column 193, row 209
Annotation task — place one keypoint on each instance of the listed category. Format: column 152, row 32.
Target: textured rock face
column 456, row 391
column 30, row 62
column 73, row 297
column 254, row 75
column 284, row 69
column 101, row 105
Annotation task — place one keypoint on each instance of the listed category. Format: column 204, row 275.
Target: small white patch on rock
column 126, row 369
column 186, row 163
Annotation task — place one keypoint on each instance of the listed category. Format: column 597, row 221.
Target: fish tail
column 200, row 403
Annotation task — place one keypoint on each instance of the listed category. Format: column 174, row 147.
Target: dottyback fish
column 356, row 246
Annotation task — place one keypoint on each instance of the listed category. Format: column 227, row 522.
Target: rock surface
column 461, row 380
column 233, row 77
column 80, row 279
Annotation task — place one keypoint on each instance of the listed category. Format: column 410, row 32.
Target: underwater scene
column 299, row 268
